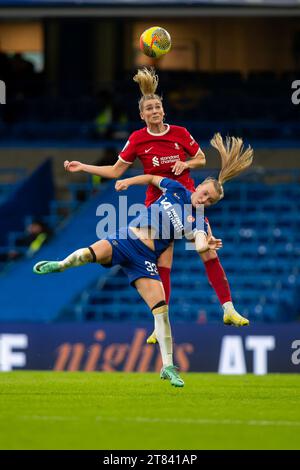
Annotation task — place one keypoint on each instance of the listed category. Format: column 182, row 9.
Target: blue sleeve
column 171, row 185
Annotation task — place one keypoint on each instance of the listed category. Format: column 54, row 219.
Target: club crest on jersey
column 190, row 219
column 155, row 161
column 176, row 146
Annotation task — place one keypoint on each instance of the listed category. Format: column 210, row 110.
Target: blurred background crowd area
column 234, row 71
column 70, row 95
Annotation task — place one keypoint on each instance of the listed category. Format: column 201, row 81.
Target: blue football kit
column 171, row 217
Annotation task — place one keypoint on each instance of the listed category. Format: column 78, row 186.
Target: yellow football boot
column 232, row 317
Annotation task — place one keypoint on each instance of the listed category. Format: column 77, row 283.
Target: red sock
column 165, row 275
column 218, row 280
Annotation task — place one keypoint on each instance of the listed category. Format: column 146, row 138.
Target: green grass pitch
column 82, row 410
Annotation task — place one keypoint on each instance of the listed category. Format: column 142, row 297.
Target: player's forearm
column 122, row 185
column 140, row 180
column 104, row 171
column 197, row 162
column 201, row 243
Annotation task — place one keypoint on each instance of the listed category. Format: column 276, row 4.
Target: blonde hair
column 233, row 157
column 148, row 82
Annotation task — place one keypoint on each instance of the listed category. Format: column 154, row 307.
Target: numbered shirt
column 159, row 152
column 172, row 216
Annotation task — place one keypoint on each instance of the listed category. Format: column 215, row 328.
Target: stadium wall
column 225, row 43
column 121, row 347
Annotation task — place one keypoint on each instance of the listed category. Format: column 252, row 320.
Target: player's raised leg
column 99, row 252
column 151, row 290
column 218, row 280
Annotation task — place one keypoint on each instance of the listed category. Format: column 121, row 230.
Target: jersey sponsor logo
column 155, row 161
column 165, row 203
column 174, row 217
column 169, row 159
column 148, row 150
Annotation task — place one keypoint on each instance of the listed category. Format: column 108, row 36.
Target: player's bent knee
column 93, row 254
column 101, row 252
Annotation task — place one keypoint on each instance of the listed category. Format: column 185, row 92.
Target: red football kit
column 158, row 153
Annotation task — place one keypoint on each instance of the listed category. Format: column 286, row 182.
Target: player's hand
column 214, row 243
column 122, row 185
column 179, row 167
column 73, row 166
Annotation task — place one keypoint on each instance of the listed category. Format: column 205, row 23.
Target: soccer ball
column 155, row 42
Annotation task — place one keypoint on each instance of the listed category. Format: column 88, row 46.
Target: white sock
column 227, row 304
column 164, row 336
column 77, row 258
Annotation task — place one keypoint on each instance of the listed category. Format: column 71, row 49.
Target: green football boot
column 170, row 373
column 47, row 267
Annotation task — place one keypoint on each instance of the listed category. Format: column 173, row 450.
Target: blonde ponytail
column 233, row 157
column 148, row 82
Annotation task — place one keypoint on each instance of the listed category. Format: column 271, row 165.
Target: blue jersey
column 172, row 216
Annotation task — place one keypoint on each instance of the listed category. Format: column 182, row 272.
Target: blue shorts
column 135, row 258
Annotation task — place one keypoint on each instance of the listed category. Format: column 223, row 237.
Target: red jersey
column 158, row 153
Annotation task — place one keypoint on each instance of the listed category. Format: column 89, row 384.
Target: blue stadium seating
column 15, row 181
column 258, row 107
column 259, row 224
column 9, row 178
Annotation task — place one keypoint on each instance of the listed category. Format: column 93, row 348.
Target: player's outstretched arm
column 107, row 171
column 122, row 185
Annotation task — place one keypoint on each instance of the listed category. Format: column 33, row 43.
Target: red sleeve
column 128, row 153
column 189, row 144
